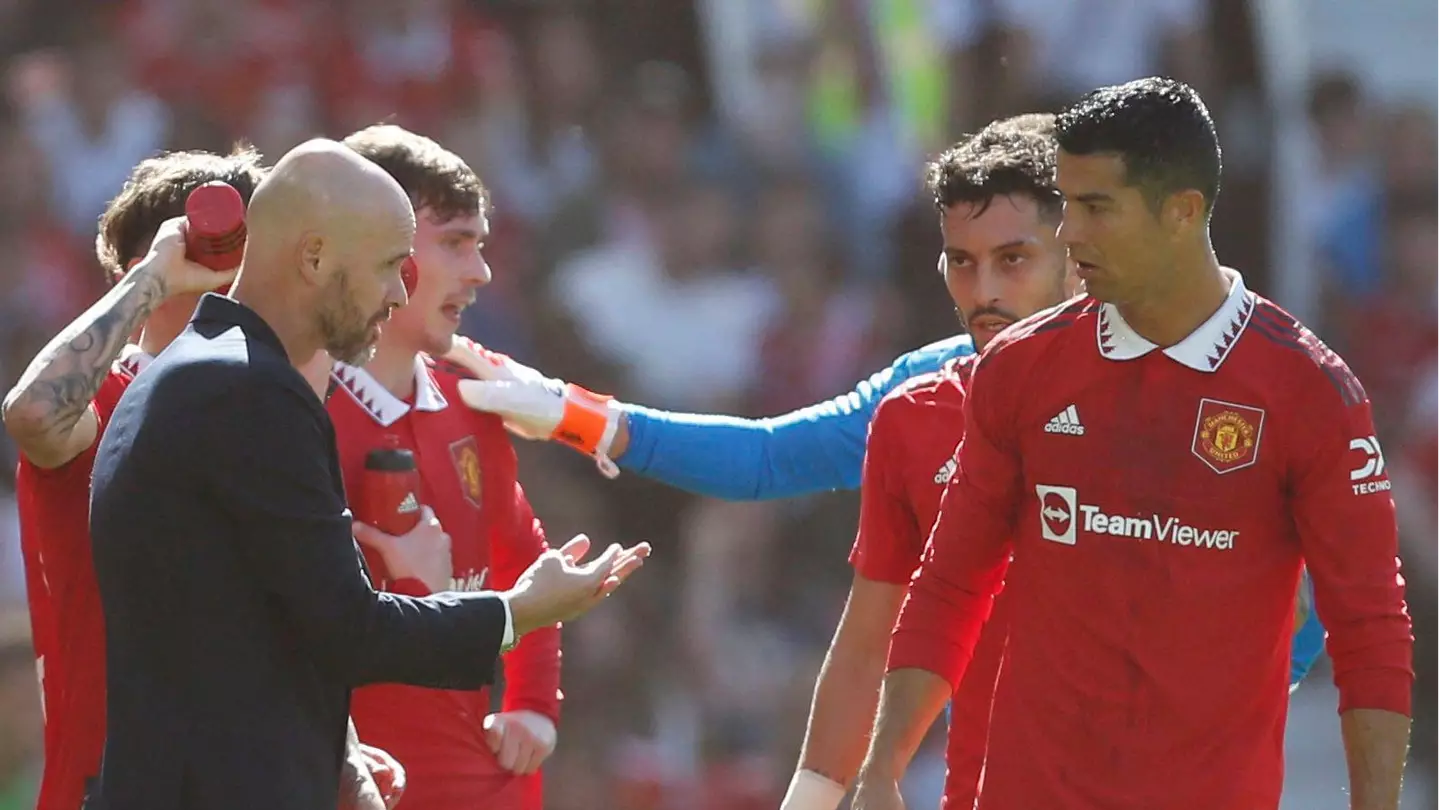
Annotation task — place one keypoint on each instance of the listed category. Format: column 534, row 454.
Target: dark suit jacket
column 238, row 613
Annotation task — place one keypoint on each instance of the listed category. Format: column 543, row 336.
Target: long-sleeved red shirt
column 468, row 477
column 909, row 459
column 66, row 621
column 1160, row 502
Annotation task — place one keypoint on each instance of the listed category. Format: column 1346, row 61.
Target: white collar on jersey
column 376, row 400
column 1203, row 350
column 133, row 359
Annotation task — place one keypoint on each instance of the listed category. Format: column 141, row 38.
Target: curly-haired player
column 56, row 414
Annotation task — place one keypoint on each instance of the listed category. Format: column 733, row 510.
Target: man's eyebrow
column 1094, row 197
column 1016, row 243
column 466, row 233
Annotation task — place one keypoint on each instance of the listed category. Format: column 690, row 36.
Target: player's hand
column 520, row 740
column 358, row 790
column 877, row 794
column 557, row 587
column 422, row 553
column 388, row 775
column 535, row 406
column 180, row 276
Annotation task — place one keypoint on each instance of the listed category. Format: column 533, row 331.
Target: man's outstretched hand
column 558, row 586
column 538, row 407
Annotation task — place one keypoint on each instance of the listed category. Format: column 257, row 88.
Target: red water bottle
column 390, row 489
column 215, row 226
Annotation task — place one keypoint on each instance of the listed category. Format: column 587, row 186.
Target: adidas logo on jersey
column 946, row 471
column 410, row 504
column 1066, row 422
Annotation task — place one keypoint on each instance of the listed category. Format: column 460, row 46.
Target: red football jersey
column 468, row 477
column 65, row 616
column 909, row 458
column 1159, row 503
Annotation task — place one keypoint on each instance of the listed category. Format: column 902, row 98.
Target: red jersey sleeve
column 532, row 669
column 1340, row 502
column 889, row 542
column 968, row 551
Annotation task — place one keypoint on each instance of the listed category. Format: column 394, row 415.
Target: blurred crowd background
column 715, row 205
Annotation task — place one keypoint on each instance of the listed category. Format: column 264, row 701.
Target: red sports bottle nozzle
column 215, row 226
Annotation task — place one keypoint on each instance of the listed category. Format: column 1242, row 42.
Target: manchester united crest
column 1227, row 436
column 467, row 467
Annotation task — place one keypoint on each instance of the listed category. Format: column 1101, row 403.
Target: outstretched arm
column 813, row 449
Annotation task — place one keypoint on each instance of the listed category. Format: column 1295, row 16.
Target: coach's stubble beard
column 348, row 332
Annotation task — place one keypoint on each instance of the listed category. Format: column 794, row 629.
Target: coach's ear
column 312, row 248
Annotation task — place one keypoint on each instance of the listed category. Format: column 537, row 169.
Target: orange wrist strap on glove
column 588, row 426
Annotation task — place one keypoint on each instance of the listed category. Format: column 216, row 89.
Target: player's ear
column 1183, row 211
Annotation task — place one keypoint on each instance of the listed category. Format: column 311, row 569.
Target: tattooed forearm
column 55, row 390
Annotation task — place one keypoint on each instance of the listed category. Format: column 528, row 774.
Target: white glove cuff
column 811, row 791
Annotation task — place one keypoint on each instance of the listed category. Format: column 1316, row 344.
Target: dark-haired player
column 456, row 753
column 1208, row 444
column 999, row 209
column 56, row 414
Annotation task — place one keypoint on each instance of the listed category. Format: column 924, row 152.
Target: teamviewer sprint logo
column 1063, row 517
column 1057, row 513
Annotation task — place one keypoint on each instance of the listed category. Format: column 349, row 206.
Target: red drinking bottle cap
column 390, row 489
column 215, row 226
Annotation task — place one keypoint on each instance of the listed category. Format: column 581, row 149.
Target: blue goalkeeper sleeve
column 814, row 449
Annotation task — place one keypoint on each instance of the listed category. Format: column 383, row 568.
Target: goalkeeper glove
column 535, row 406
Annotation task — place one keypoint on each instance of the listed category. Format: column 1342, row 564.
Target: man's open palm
column 558, row 587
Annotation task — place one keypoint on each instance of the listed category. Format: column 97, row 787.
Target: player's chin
column 438, row 336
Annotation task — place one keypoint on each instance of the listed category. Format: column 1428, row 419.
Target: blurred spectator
column 646, row 141
column 675, row 314
column 1343, row 181
column 819, row 340
column 1357, row 175
column 418, row 59
column 1053, row 52
column 90, row 122
column 1388, row 332
column 537, row 141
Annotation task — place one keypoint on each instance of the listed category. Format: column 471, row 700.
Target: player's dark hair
column 1009, row 156
column 1159, row 127
column 156, row 191
column 432, row 175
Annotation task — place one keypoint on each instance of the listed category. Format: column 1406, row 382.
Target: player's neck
column 1168, row 316
column 161, row 328
column 393, row 367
